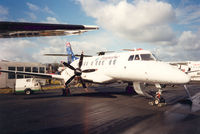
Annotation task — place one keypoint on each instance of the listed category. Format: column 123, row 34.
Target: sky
column 168, row 28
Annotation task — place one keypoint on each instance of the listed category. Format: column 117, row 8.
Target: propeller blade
column 69, row 66
column 84, row 86
column 80, row 61
column 88, row 70
column 70, row 80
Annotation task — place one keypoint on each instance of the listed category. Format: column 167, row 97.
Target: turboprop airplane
column 192, row 68
column 134, row 67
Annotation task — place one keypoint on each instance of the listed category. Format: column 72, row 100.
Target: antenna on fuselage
column 104, row 52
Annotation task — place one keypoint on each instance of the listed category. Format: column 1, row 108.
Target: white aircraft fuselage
column 129, row 66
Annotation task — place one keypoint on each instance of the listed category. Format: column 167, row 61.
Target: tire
column 28, row 91
column 156, row 101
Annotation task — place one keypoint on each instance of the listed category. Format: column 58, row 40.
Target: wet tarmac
column 103, row 110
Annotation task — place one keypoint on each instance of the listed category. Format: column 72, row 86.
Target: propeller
column 78, row 71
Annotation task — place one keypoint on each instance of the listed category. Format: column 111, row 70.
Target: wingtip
column 91, row 27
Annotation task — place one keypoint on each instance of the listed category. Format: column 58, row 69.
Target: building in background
column 7, row 80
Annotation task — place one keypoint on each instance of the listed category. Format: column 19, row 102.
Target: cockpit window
column 137, row 57
column 131, row 58
column 147, row 57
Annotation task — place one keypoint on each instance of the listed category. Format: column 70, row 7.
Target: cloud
column 51, row 20
column 189, row 14
column 3, row 13
column 32, row 6
column 150, row 21
column 38, row 10
column 16, row 50
column 89, row 44
column 32, row 15
column 139, row 21
column 187, row 48
column 3, row 10
column 47, row 10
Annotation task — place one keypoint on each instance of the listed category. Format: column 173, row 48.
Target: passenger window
column 96, row 63
column 99, row 62
column 110, row 62
column 131, row 58
column 102, row 62
column 91, row 63
column 114, row 61
column 137, row 57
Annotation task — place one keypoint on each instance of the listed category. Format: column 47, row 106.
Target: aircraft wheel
column 159, row 101
column 156, row 101
column 28, row 91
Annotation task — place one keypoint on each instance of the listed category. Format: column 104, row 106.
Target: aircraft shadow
column 94, row 95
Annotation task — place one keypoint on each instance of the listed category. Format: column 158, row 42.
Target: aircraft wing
column 40, row 75
column 178, row 63
column 27, row 29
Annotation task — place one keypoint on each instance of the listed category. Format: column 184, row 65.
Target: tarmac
column 101, row 110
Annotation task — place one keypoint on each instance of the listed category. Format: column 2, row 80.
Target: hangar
column 7, row 80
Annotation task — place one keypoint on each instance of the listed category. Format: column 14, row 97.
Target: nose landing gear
column 158, row 99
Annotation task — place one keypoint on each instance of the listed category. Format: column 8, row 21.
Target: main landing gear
column 130, row 90
column 66, row 91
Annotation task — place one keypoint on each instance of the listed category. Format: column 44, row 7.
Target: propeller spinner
column 78, row 71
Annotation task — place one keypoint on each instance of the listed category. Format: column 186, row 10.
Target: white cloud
column 32, row 15
column 51, row 20
column 3, row 10
column 32, row 7
column 187, row 47
column 139, row 21
column 3, row 13
column 35, row 10
column 89, row 44
column 16, row 50
column 148, row 21
column 47, row 10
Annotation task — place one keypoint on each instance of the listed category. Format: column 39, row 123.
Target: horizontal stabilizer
column 66, row 55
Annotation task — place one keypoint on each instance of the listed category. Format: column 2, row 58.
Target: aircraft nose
column 185, row 78
column 174, row 75
column 182, row 78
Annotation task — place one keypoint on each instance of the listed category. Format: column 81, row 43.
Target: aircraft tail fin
column 69, row 51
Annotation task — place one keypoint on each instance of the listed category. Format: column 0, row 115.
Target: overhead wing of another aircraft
column 27, row 29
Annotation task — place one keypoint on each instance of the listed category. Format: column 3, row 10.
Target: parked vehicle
column 29, row 85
